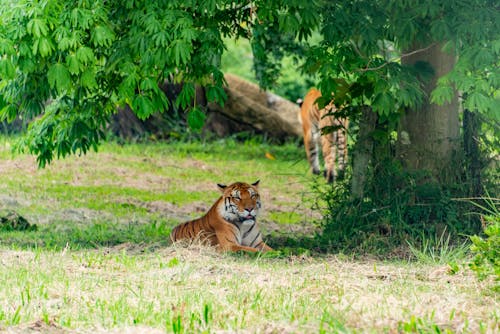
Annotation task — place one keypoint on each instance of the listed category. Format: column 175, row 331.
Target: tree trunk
column 362, row 152
column 265, row 111
column 471, row 134
column 428, row 137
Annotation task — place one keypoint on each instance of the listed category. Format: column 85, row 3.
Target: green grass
column 286, row 217
column 439, row 250
column 101, row 259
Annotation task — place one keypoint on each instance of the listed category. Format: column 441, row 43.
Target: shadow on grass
column 59, row 236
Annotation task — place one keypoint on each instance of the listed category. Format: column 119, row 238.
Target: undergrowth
column 486, row 247
column 402, row 214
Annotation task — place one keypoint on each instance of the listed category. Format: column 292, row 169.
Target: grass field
column 100, row 260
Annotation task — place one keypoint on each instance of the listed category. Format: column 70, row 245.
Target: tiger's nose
column 249, row 208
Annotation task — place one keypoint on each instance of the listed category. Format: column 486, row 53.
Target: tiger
column 334, row 144
column 231, row 223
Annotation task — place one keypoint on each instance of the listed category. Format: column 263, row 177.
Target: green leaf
column 37, row 27
column 85, row 55
column 196, row 119
column 477, row 101
column 102, row 36
column 88, row 79
column 180, row 52
column 59, row 77
column 143, row 106
column 6, row 47
column 188, row 34
column 216, row 94
column 440, row 29
column 288, row 22
column 148, row 84
column 7, row 69
column 43, row 46
column 74, row 65
column 484, row 57
column 209, row 5
column 442, row 94
column 161, row 39
column 383, row 103
column 186, row 96
column 9, row 113
column 64, row 43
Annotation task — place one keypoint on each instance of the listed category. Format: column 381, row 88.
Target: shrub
column 486, row 262
column 398, row 209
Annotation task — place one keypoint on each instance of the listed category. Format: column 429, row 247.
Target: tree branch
column 404, row 55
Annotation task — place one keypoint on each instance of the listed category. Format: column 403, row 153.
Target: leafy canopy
column 363, row 42
column 70, row 64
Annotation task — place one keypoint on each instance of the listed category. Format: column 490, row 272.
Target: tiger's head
column 240, row 202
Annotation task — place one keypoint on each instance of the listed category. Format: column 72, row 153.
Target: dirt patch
column 8, row 202
column 168, row 209
column 25, row 163
column 73, row 215
column 39, row 326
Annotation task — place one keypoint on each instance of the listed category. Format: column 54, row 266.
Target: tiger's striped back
column 333, row 144
column 231, row 223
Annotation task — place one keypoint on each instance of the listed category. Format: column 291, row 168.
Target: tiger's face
column 240, row 202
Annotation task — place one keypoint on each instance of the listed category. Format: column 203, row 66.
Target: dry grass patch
column 195, row 289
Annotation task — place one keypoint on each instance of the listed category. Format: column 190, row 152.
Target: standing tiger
column 231, row 223
column 334, row 144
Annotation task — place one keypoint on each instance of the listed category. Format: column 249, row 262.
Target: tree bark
column 362, row 152
column 265, row 111
column 428, row 137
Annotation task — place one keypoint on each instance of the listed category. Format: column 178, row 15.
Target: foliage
column 14, row 222
column 291, row 84
column 486, row 262
column 363, row 43
column 73, row 63
column 361, row 59
column 398, row 210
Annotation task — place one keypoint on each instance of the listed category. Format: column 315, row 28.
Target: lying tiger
column 334, row 144
column 231, row 223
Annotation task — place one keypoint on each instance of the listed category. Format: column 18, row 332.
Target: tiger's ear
column 221, row 186
column 256, row 184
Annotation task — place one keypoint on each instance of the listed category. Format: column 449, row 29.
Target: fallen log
column 265, row 111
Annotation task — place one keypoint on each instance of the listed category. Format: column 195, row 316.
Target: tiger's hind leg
column 329, row 155
column 311, row 140
column 328, row 147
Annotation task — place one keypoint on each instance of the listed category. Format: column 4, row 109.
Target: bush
column 398, row 209
column 486, row 262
